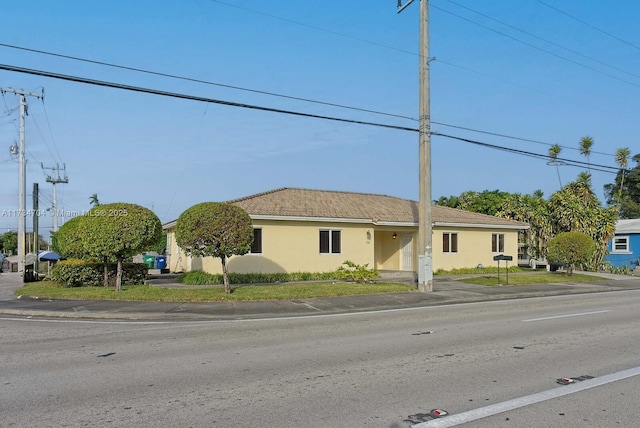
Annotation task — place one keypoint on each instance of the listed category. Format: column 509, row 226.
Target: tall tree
column 554, row 152
column 624, row 192
column 215, row 229
column 622, row 159
column 585, row 149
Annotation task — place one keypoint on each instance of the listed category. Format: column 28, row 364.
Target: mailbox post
column 507, row 259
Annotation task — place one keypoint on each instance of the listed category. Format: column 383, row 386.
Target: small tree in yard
column 119, row 230
column 572, row 249
column 215, row 229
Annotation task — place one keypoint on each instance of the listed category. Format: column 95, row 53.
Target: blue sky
column 168, row 154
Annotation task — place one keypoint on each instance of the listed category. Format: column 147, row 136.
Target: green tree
column 10, row 242
column 622, row 159
column 572, row 249
column 554, row 152
column 68, row 240
column 624, row 192
column 94, row 201
column 487, row 202
column 576, row 208
column 119, row 230
column 215, row 229
column 585, row 149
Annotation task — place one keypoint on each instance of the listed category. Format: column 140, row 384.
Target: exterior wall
column 474, row 248
column 177, row 260
column 625, row 258
column 293, row 246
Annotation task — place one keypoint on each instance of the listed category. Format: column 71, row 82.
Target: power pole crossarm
column 54, row 179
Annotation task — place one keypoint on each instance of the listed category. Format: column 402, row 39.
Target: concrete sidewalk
column 446, row 291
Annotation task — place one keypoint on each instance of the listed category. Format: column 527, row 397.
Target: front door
column 407, row 251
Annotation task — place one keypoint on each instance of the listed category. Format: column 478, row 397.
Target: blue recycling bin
column 161, row 262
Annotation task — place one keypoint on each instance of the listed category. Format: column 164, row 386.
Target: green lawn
column 48, row 289
column 530, row 278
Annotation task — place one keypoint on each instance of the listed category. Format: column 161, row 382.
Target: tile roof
column 294, row 202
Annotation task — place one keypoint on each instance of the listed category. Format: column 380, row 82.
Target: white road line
column 494, row 409
column 566, row 316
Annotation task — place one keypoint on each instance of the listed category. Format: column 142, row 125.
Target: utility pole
column 425, row 221
column 36, row 241
column 22, row 173
column 55, row 179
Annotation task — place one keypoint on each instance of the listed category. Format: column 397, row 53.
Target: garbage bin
column 161, row 262
column 149, row 260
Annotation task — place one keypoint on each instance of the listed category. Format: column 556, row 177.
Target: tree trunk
column 225, row 278
column 119, row 275
column 105, row 270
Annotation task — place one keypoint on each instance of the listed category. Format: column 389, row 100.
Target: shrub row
column 75, row 273
column 349, row 272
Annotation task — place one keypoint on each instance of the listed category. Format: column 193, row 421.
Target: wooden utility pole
column 425, row 221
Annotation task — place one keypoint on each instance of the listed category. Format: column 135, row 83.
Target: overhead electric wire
column 569, row 162
column 588, row 24
column 274, row 110
column 205, row 82
column 588, row 67
column 495, row 134
column 192, row 97
column 313, row 27
column 606, row 64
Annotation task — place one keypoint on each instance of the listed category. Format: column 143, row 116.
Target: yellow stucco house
column 302, row 230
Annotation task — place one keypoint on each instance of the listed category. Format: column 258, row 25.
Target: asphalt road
column 382, row 369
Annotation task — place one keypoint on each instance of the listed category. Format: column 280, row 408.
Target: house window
column 620, row 244
column 449, row 242
column 256, row 247
column 497, row 243
column 330, row 242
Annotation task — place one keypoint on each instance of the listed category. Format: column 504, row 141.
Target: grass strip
column 530, row 278
column 53, row 290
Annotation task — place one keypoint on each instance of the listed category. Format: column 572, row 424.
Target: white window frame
column 331, row 243
column 624, row 241
column 449, row 236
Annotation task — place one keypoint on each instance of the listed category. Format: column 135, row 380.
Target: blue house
column 624, row 247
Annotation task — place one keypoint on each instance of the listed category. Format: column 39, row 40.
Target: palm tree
column 585, row 149
column 622, row 159
column 93, row 200
column 554, row 151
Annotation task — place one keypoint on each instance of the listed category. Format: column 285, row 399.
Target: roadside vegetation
column 53, row 290
column 529, row 278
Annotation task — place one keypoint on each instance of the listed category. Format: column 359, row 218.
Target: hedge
column 76, row 273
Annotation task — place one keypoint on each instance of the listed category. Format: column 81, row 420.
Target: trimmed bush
column 202, row 278
column 77, row 273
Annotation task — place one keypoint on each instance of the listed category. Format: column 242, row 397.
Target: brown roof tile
column 294, row 202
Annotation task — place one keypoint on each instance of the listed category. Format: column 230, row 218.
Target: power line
column 313, row 27
column 205, row 82
column 606, row 64
column 515, row 138
column 192, row 97
column 569, row 162
column 589, row 25
column 588, row 67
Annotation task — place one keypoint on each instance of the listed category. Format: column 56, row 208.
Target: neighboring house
column 624, row 247
column 301, row 230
